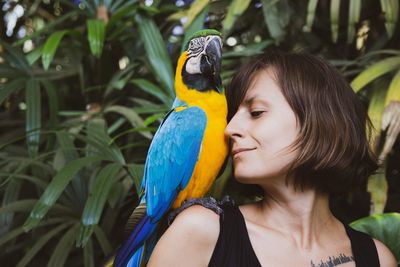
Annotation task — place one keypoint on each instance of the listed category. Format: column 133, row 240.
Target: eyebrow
column 255, row 98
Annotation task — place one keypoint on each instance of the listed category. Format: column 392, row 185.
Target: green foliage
column 384, row 227
column 82, row 94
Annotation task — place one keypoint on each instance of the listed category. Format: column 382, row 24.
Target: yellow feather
column 214, row 148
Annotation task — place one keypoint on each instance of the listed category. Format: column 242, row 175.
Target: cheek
column 271, row 158
column 263, row 168
column 251, row 166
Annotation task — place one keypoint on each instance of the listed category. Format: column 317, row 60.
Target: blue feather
column 170, row 163
column 136, row 258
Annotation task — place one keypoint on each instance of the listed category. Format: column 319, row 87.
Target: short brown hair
column 333, row 142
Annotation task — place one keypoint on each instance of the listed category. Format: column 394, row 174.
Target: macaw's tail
column 142, row 255
column 143, row 227
column 136, row 259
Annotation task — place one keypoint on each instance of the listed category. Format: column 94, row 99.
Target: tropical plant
column 83, row 91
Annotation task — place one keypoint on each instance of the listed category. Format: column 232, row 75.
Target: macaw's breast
column 214, row 147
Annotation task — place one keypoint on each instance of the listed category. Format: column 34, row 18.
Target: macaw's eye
column 196, row 45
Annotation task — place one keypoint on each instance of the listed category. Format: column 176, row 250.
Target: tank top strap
column 363, row 248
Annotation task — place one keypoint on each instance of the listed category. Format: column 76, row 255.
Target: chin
column 244, row 178
column 257, row 176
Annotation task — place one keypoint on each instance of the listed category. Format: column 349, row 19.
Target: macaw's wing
column 172, row 158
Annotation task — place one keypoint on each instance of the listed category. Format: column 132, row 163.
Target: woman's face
column 261, row 132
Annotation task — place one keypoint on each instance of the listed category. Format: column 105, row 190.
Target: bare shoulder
column 197, row 212
column 198, row 221
column 386, row 257
column 189, row 241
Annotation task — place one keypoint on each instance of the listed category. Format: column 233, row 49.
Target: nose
column 233, row 129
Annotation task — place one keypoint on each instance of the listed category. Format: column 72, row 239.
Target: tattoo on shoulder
column 333, row 261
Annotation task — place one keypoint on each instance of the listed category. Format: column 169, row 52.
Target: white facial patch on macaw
column 197, row 48
column 193, row 65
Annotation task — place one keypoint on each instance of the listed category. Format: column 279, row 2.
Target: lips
column 238, row 150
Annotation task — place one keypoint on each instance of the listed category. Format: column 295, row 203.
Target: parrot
column 188, row 149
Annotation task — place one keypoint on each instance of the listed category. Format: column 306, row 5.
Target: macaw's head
column 202, row 67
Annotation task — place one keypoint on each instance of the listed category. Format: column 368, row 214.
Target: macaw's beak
column 210, row 64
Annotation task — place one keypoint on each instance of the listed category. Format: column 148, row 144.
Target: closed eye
column 256, row 114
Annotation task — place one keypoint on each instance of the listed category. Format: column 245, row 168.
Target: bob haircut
column 333, row 142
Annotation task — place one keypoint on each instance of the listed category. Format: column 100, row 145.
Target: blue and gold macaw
column 188, row 149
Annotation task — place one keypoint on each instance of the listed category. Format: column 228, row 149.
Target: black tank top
column 234, row 249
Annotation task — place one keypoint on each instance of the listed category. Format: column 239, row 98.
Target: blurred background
column 85, row 84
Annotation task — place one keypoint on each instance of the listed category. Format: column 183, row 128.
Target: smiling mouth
column 235, row 153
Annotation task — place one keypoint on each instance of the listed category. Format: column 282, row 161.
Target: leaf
column 376, row 108
column 40, row 243
column 384, row 227
column 115, row 194
column 391, row 125
column 98, row 141
column 11, row 235
column 36, row 181
column 77, row 190
column 156, row 52
column 103, row 241
column 149, row 120
column 48, row 26
column 195, row 8
column 10, row 195
column 312, row 6
column 115, row 125
column 33, row 116
column 249, row 50
column 393, row 93
column 53, row 103
column 117, row 16
column 50, row 47
column 15, row 58
column 151, row 109
column 88, row 254
column 120, row 79
column 276, row 16
column 136, row 171
column 18, row 231
column 391, row 10
column 95, row 203
column 235, row 9
column 377, row 187
column 54, row 190
column 96, row 34
column 9, row 72
column 117, row 5
column 10, row 87
column 196, row 25
column 354, row 18
column 335, row 10
column 131, row 116
column 374, row 71
column 61, row 251
column 189, row 15
column 34, row 55
column 67, row 145
column 23, row 205
column 152, row 89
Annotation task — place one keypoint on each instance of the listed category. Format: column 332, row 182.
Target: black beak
column 211, row 62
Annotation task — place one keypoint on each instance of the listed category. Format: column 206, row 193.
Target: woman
column 297, row 130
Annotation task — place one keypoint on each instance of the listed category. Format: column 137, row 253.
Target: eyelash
column 256, row 114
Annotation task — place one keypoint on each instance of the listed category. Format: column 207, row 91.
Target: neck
column 301, row 215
